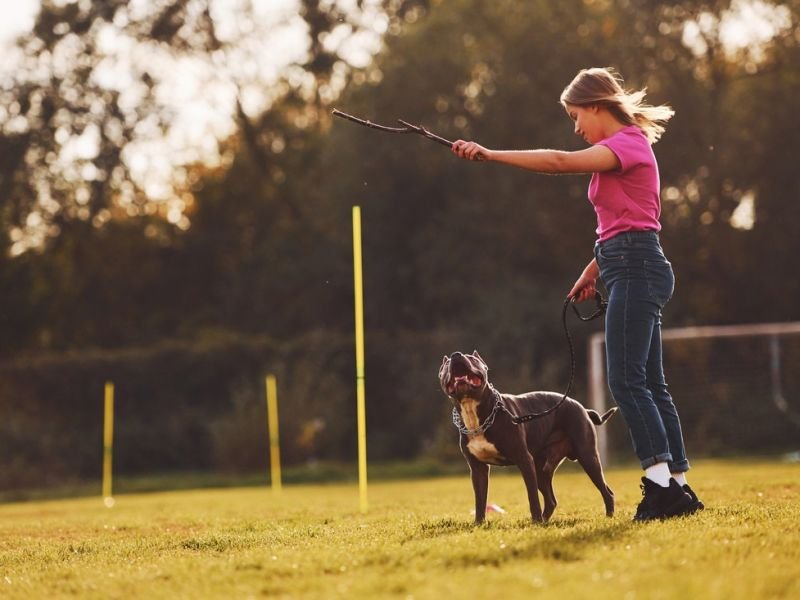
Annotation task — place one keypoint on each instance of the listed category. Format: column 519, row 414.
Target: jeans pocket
column 660, row 280
column 610, row 255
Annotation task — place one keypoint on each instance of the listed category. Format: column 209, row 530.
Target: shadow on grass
column 563, row 539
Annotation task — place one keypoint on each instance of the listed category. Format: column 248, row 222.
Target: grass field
column 416, row 541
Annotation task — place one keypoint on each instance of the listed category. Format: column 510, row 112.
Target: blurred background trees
column 176, row 204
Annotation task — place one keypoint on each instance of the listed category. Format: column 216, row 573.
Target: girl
column 624, row 191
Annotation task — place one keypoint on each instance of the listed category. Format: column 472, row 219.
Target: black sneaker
column 662, row 502
column 697, row 504
column 647, row 509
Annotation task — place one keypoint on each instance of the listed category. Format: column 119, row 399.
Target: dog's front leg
column 480, row 485
column 528, row 469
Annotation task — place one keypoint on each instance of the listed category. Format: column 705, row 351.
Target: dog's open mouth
column 462, row 378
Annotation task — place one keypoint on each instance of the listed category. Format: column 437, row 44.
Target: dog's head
column 463, row 375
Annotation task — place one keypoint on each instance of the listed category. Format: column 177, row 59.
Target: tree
column 85, row 139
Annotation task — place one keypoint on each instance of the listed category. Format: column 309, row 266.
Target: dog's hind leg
column 528, row 470
column 544, row 477
column 590, row 462
column 480, row 485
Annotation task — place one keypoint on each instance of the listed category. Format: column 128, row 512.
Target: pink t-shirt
column 627, row 199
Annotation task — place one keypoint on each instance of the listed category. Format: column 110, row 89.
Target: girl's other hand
column 584, row 289
column 470, row 150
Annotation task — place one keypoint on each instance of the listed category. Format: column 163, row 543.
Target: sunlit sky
column 17, row 18
column 753, row 23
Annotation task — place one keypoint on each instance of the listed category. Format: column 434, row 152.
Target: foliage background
column 101, row 280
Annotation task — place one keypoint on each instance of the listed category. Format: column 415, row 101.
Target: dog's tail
column 597, row 419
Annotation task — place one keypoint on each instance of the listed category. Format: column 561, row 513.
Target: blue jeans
column 640, row 281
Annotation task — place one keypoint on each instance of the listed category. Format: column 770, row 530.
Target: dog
column 489, row 436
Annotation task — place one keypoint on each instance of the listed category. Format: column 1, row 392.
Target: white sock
column 659, row 473
column 680, row 478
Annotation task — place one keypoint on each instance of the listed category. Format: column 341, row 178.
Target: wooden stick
column 407, row 128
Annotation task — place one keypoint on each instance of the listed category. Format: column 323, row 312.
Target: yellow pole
column 360, row 399
column 108, row 442
column 272, row 422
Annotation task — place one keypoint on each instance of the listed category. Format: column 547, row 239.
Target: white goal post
column 598, row 390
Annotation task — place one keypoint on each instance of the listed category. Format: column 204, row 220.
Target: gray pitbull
column 491, row 434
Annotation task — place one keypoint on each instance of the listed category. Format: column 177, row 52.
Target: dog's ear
column 443, row 367
column 478, row 356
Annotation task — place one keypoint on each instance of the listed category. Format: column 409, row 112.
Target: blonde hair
column 604, row 87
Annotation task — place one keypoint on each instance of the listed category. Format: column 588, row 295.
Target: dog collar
column 481, row 429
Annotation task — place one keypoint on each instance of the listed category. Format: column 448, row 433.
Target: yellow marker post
column 272, row 423
column 360, row 399
column 108, row 442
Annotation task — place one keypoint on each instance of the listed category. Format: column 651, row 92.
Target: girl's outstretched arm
column 595, row 159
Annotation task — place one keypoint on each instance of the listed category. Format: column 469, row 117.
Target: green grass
column 416, row 541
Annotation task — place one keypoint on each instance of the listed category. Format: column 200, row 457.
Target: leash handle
column 601, row 303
